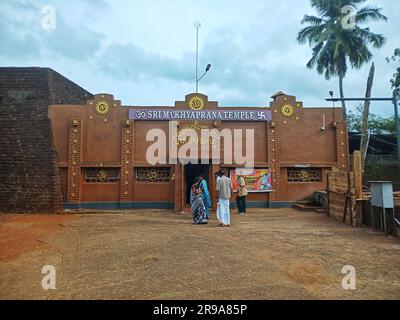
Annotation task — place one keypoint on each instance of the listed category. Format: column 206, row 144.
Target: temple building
column 65, row 148
column 103, row 148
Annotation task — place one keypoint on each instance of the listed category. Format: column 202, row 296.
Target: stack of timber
column 341, row 198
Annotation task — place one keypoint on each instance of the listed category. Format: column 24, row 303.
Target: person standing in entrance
column 205, row 195
column 242, row 193
column 197, row 205
column 224, row 189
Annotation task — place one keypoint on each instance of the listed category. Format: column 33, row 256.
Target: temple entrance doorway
column 191, row 172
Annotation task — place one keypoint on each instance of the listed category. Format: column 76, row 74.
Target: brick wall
column 29, row 177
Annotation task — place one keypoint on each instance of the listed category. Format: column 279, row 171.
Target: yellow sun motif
column 196, row 103
column 287, row 110
column 102, row 107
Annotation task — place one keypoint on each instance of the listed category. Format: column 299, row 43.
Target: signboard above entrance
column 221, row 115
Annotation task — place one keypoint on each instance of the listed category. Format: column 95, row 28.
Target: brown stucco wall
column 284, row 142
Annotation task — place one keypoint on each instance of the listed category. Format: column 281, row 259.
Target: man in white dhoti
column 224, row 190
column 217, row 178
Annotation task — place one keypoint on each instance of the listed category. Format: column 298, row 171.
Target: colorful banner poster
column 257, row 180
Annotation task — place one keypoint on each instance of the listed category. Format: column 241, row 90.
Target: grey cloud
column 130, row 62
column 248, row 63
column 23, row 37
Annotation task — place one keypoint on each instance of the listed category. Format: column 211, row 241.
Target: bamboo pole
column 357, row 167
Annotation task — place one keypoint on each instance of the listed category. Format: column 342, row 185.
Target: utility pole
column 396, row 119
column 392, row 99
column 197, row 25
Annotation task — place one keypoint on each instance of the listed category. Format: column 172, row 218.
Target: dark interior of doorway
column 191, row 172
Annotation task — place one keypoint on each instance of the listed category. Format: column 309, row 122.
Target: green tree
column 396, row 77
column 334, row 44
column 377, row 124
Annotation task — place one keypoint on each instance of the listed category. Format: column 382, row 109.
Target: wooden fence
column 342, row 201
column 346, row 200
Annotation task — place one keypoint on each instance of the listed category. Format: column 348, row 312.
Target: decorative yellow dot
column 75, row 130
column 276, row 111
column 341, row 132
column 105, row 120
column 102, row 96
column 284, row 122
column 343, row 155
column 126, row 161
column 342, row 143
column 297, row 118
column 101, row 164
column 298, row 104
column 74, row 152
column 127, row 141
column 126, row 192
column 273, row 140
column 91, row 118
column 127, row 131
column 273, row 150
column 74, row 163
column 273, row 131
column 75, row 141
column 126, row 182
column 273, row 123
column 74, row 185
column 126, row 172
column 127, row 151
column 73, row 195
column 91, row 103
column 285, row 99
column 115, row 105
column 273, row 160
column 74, row 174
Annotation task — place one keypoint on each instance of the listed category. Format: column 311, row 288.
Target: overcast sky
column 143, row 52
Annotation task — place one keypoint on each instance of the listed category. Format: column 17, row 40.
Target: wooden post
column 357, row 167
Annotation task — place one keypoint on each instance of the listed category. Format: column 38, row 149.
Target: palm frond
column 370, row 12
column 310, row 33
column 316, row 52
column 377, row 40
column 313, row 20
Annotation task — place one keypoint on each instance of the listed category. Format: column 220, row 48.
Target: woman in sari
column 197, row 205
column 205, row 194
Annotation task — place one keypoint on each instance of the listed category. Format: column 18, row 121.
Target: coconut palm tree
column 334, row 44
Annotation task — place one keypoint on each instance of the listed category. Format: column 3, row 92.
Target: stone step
column 306, row 207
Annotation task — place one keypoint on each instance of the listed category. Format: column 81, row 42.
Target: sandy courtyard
column 267, row 254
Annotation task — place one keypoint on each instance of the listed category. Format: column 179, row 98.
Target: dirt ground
column 267, row 254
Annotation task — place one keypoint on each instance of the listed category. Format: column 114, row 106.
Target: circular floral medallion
column 196, row 103
column 102, row 107
column 287, row 110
